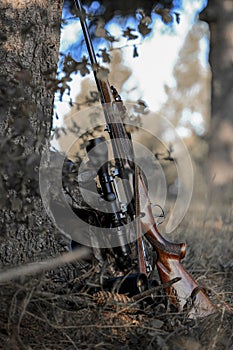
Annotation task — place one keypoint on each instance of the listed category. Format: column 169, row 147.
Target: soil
column 50, row 311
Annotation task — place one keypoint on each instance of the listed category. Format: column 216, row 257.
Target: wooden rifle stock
column 184, row 294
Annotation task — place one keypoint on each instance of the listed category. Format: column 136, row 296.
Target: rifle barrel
column 86, row 33
column 89, row 46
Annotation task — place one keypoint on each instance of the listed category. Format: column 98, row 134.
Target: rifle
column 185, row 291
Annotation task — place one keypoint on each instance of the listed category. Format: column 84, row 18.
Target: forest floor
column 45, row 312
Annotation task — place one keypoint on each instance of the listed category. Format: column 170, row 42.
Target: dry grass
column 47, row 312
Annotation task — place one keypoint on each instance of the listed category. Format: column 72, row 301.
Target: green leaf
column 143, row 29
column 128, row 34
column 82, row 67
column 105, row 56
column 135, row 51
column 164, row 13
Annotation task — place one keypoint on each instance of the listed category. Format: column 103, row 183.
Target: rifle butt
column 185, row 294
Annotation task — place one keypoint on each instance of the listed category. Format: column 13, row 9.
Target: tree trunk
column 29, row 44
column 219, row 15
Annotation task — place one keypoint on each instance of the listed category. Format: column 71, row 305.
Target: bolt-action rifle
column 169, row 255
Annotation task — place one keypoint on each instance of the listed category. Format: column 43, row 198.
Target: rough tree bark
column 219, row 16
column 29, row 44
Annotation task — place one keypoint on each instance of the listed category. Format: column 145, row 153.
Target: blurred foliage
column 109, row 9
column 99, row 14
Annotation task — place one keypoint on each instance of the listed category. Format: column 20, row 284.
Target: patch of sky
column 157, row 56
